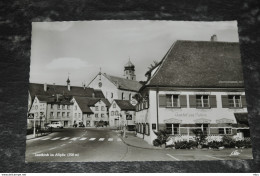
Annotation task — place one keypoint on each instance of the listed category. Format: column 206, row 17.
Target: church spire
column 68, row 82
column 129, row 71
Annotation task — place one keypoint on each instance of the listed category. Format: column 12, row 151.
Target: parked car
column 81, row 124
column 55, row 125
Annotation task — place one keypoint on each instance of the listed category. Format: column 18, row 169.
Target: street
column 103, row 144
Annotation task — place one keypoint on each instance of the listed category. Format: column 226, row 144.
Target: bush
column 200, row 137
column 162, row 136
column 185, row 144
column 243, row 143
column 228, row 142
column 156, row 143
column 215, row 144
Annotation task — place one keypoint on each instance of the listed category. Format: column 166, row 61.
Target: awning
column 242, row 118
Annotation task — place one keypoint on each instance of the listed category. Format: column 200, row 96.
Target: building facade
column 197, row 86
column 114, row 87
column 122, row 113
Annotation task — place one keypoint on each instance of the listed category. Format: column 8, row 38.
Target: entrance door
column 65, row 123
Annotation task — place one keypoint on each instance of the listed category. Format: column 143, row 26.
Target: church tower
column 129, row 71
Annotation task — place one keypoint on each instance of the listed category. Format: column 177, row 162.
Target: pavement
column 103, row 144
column 132, row 140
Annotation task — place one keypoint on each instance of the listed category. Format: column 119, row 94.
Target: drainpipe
column 157, row 113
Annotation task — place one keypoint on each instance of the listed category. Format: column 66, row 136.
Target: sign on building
column 31, row 116
column 129, row 117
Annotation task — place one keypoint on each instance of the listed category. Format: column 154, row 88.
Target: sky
column 79, row 49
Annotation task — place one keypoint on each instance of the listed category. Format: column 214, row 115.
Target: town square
column 176, row 102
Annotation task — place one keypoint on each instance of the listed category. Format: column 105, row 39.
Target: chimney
column 45, row 87
column 213, row 38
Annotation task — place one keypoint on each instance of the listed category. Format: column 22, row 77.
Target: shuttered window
column 212, row 101
column 183, row 101
column 162, row 100
column 233, row 101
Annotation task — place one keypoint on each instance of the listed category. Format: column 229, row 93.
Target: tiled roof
column 125, row 84
column 38, row 89
column 200, row 64
column 86, row 102
column 125, row 105
column 45, row 98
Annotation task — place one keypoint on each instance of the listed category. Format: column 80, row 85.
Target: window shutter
column 213, row 101
column 224, row 99
column 183, row 101
column 192, row 101
column 243, row 99
column 162, row 100
column 148, row 125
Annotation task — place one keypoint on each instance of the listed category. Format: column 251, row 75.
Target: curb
column 138, row 146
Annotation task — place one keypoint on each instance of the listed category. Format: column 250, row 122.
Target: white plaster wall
column 99, row 112
column 61, row 119
column 41, row 108
column 189, row 115
column 112, row 118
column 77, row 111
column 107, row 87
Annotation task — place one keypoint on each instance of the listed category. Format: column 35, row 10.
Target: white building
column 90, row 111
column 114, row 87
column 197, row 85
column 122, row 113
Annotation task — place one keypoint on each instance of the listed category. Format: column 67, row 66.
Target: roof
column 125, row 84
column 86, row 102
column 46, row 98
column 125, row 105
column 200, row 64
column 129, row 64
column 38, row 89
column 83, row 103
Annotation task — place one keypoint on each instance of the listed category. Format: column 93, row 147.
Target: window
column 68, row 114
column 202, row 101
column 116, row 113
column 111, row 95
column 102, row 108
column 75, row 115
column 79, row 115
column 234, row 101
column 204, row 127
column 36, row 107
column 63, row 106
column 96, row 108
column 114, row 105
column 122, row 95
column 51, row 114
column 68, row 107
column 172, row 128
column 172, row 101
column 130, row 97
column 96, row 115
column 59, row 106
column 75, row 107
column 102, row 115
column 63, row 114
column 51, row 106
column 88, row 115
column 225, row 131
column 58, row 114
column 147, row 129
column 112, row 113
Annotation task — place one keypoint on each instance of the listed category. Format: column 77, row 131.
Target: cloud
column 67, row 63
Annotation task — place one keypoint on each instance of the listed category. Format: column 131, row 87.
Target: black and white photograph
column 136, row 90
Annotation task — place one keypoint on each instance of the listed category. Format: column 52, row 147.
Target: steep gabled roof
column 200, row 64
column 125, row 84
column 86, row 102
column 38, row 89
column 125, row 105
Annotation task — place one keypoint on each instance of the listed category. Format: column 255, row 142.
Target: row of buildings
column 196, row 85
